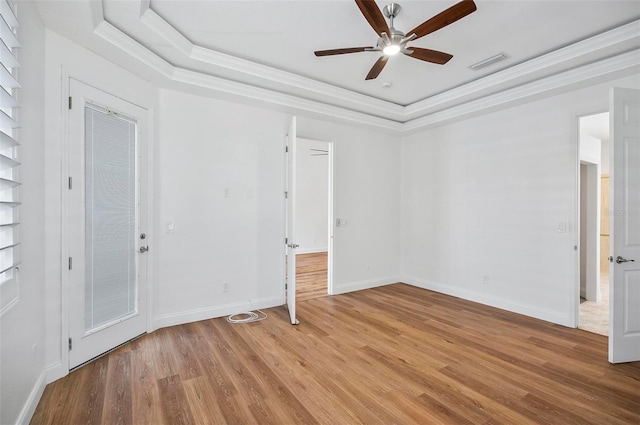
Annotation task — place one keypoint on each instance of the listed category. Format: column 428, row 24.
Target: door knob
column 619, row 260
column 144, row 249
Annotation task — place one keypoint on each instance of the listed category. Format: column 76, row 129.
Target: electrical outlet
column 485, row 280
column 226, row 287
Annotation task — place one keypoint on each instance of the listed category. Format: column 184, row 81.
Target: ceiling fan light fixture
column 391, row 49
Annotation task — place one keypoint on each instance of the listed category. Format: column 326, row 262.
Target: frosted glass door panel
column 110, row 219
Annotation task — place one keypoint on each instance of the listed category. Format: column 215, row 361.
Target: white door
column 291, row 222
column 624, row 323
column 106, row 222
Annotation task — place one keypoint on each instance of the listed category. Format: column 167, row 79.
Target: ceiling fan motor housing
column 391, row 10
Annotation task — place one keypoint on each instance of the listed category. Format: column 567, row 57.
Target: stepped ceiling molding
column 261, row 52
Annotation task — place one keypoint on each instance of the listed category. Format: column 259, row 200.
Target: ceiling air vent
column 488, row 61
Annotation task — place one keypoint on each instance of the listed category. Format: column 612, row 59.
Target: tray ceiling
column 268, row 46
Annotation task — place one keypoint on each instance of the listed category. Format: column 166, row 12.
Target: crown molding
column 130, row 46
column 611, row 38
column 286, row 101
column 337, row 95
column 626, row 63
column 454, row 104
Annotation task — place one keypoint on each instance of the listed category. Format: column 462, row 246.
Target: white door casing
column 291, row 221
column 101, row 180
column 624, row 323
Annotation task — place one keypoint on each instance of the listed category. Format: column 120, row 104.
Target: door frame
column 592, row 231
column 145, row 173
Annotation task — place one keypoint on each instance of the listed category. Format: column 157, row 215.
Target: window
column 9, row 165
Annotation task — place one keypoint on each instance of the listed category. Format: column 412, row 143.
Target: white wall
column 22, row 332
column 590, row 231
column 590, row 156
column 486, row 196
column 367, row 193
column 312, row 191
column 220, row 180
column 590, row 149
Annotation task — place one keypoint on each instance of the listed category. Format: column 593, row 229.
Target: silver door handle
column 144, row 249
column 293, row 245
column 619, row 260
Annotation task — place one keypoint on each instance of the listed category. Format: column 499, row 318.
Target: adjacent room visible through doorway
column 313, row 192
column 594, row 223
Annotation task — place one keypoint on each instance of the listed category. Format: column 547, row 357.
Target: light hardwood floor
column 311, row 276
column 390, row 355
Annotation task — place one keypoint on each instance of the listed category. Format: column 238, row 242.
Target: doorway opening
column 594, row 223
column 313, row 218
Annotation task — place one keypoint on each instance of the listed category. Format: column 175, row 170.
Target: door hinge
column 286, row 149
column 286, row 195
column 70, row 344
column 70, row 103
column 70, row 263
column 286, row 241
column 70, row 183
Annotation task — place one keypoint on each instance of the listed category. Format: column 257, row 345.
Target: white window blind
column 9, row 165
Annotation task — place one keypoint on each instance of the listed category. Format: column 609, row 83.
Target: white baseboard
column 501, row 303
column 363, row 284
column 311, row 250
column 56, row 371
column 180, row 318
column 32, row 401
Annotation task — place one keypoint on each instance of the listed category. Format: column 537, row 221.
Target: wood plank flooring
column 311, row 276
column 389, row 355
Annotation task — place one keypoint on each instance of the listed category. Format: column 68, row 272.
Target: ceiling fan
column 392, row 41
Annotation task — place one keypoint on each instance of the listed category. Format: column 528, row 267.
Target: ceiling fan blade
column 444, row 18
column 429, row 55
column 340, row 51
column 377, row 67
column 374, row 16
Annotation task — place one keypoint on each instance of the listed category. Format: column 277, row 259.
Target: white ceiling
column 265, row 48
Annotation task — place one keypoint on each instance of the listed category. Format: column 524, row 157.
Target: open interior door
column 291, row 222
column 624, row 323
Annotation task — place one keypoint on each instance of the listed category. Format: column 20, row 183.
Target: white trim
column 330, row 215
column 56, row 371
column 563, row 319
column 312, row 250
column 567, row 80
column 65, row 90
column 553, row 59
column 180, row 318
column 211, row 57
column 29, row 407
column 343, row 288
